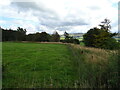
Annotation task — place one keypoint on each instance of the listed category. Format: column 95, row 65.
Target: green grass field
column 33, row 65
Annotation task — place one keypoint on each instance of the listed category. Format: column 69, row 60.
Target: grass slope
column 96, row 68
column 28, row 65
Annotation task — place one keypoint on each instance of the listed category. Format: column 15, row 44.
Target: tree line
column 20, row 35
column 95, row 37
column 13, row 35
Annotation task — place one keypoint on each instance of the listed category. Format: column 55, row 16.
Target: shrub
column 111, row 44
column 101, row 38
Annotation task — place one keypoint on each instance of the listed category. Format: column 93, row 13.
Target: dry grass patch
column 96, row 55
column 95, row 67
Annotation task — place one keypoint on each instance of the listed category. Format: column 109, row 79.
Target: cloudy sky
column 73, row 16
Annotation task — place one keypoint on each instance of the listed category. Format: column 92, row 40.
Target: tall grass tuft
column 95, row 68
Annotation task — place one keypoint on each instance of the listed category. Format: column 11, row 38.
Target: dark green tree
column 13, row 35
column 20, row 35
column 100, row 37
column 44, row 37
column 66, row 35
column 70, row 39
column 55, row 37
column 105, row 25
column 30, row 37
column 41, row 37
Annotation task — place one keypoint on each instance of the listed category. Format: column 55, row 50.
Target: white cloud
column 2, row 22
column 61, row 15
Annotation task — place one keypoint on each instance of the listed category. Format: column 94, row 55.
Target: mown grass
column 33, row 65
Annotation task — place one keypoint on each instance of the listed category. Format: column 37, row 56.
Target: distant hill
column 80, row 36
column 75, row 35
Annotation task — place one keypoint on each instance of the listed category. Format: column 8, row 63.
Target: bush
column 71, row 40
column 101, row 37
column 111, row 44
column 76, row 41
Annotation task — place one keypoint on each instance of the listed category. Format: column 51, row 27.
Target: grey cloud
column 73, row 23
column 63, row 28
column 59, row 23
column 47, row 17
column 39, row 29
column 94, row 8
column 26, row 6
column 38, row 10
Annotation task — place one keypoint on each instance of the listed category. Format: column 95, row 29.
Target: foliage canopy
column 101, row 37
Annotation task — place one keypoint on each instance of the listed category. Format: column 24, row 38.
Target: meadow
column 42, row 65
